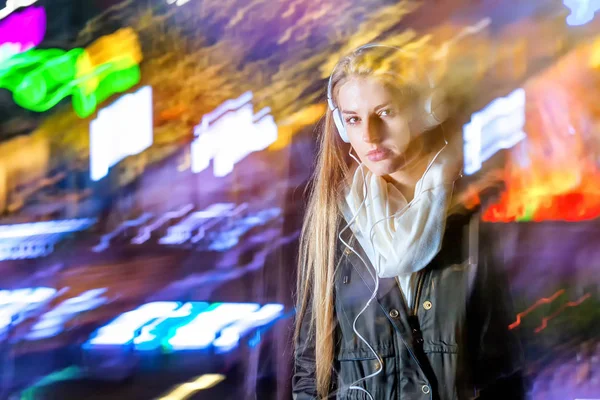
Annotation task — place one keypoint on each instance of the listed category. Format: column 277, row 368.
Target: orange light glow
column 553, row 174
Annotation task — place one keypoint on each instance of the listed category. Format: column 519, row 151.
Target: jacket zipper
column 417, row 295
column 415, row 303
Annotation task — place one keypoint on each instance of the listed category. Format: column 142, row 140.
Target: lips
column 378, row 154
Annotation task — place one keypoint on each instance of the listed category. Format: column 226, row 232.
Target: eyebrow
column 376, row 108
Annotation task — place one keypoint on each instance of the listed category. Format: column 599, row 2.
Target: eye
column 386, row 112
column 351, row 120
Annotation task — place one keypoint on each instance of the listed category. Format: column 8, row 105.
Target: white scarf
column 404, row 239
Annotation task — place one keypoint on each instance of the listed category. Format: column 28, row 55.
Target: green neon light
column 39, row 79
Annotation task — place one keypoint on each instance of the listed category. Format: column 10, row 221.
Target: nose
column 372, row 130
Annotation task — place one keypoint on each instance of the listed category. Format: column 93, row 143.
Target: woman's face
column 377, row 123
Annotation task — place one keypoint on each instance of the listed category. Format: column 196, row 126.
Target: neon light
column 179, row 3
column 575, row 303
column 39, row 79
column 202, row 330
column 230, row 133
column 122, row 129
column 230, row 336
column 21, row 32
column 202, row 232
column 582, row 11
column 14, row 303
column 146, row 232
column 52, row 322
column 498, row 126
column 229, row 238
column 185, row 390
column 200, row 222
column 105, row 239
column 543, row 300
column 153, row 335
column 44, row 228
column 32, row 240
column 12, row 5
column 123, row 329
column 173, row 326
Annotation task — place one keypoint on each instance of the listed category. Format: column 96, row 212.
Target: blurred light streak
column 174, row 326
column 36, row 239
column 309, row 115
column 68, row 374
column 52, row 322
column 554, row 174
column 44, row 228
column 21, row 32
column 185, row 390
column 157, row 333
column 12, row 5
column 40, row 78
column 145, row 233
column 122, row 129
column 18, row 301
column 147, row 333
column 183, row 230
column 227, row 239
column 230, row 336
column 201, row 332
column 543, row 300
column 229, row 133
column 561, row 309
column 122, row 330
column 105, row 239
column 444, row 49
column 498, row 126
column 582, row 11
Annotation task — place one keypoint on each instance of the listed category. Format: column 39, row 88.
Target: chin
column 382, row 168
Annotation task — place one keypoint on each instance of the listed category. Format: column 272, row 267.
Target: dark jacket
column 453, row 344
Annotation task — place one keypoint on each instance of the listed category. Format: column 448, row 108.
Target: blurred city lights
column 22, row 31
column 185, row 390
column 39, row 79
column 178, row 2
column 105, row 239
column 36, row 239
column 582, row 11
column 122, row 129
column 146, row 232
column 123, row 329
column 12, row 5
column 195, row 222
column 185, row 326
column 230, row 336
column 498, row 126
column 229, row 133
column 52, row 322
column 15, row 302
column 201, row 332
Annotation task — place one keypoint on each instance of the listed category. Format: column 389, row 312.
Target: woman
column 389, row 306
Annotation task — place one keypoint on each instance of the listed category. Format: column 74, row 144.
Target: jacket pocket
column 355, row 365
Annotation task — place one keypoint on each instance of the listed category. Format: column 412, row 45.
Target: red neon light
column 561, row 309
column 553, row 174
column 543, row 300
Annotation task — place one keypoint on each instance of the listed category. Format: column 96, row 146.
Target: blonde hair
column 318, row 241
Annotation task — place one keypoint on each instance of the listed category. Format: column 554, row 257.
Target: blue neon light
column 582, row 11
column 52, row 322
column 16, row 303
column 36, row 239
column 176, row 326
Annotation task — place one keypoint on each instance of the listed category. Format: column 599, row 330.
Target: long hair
column 318, row 240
